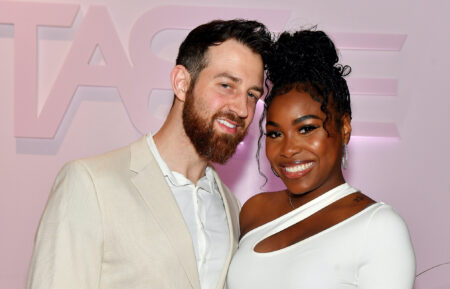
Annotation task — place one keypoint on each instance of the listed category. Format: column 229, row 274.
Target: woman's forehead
column 294, row 102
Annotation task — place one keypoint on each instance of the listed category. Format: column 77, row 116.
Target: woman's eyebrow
column 269, row 122
column 305, row 117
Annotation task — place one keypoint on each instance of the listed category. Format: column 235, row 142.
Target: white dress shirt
column 204, row 213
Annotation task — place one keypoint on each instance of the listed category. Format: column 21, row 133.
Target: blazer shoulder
column 113, row 161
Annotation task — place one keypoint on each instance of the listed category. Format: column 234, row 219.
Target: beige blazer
column 112, row 222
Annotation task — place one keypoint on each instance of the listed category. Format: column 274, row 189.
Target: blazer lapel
column 151, row 184
column 232, row 211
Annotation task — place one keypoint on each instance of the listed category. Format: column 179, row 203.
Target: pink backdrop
column 78, row 78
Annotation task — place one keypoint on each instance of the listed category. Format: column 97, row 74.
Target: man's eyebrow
column 305, row 117
column 257, row 88
column 238, row 80
column 227, row 75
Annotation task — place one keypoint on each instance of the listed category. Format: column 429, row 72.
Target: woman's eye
column 273, row 134
column 307, row 128
column 225, row 85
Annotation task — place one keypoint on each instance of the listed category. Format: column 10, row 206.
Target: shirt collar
column 207, row 182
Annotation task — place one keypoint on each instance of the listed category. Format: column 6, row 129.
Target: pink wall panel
column 78, row 78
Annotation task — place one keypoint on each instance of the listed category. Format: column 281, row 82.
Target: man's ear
column 180, row 79
column 346, row 128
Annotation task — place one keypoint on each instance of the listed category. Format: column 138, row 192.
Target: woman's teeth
column 298, row 168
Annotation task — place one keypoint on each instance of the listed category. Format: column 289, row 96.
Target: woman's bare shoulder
column 259, row 209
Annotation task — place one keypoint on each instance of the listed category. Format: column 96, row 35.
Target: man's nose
column 239, row 105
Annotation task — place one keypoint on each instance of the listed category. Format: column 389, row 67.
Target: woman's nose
column 290, row 147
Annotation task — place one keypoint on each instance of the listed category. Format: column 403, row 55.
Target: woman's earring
column 274, row 172
column 345, row 157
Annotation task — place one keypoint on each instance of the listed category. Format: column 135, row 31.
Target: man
column 155, row 214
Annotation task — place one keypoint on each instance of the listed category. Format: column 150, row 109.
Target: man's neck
column 177, row 150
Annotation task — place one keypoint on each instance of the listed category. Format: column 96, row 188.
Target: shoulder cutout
column 323, row 219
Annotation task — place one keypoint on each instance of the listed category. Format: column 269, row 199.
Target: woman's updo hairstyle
column 308, row 61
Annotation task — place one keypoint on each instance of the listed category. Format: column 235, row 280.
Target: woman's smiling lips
column 297, row 169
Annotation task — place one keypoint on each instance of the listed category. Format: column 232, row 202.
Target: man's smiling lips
column 227, row 125
column 297, row 169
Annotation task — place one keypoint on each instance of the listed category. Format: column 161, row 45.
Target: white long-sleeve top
column 370, row 250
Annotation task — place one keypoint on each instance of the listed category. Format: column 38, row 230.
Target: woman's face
column 298, row 147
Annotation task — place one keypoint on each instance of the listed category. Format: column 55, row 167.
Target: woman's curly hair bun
column 303, row 56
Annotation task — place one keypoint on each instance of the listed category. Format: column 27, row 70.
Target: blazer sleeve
column 69, row 242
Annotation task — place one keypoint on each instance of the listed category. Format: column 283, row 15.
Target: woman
column 319, row 232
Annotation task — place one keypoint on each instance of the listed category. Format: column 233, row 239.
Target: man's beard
column 211, row 145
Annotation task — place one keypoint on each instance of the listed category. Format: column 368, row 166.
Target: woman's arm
column 387, row 259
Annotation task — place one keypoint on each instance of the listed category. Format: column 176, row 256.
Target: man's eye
column 225, row 85
column 253, row 95
column 307, row 128
column 273, row 134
